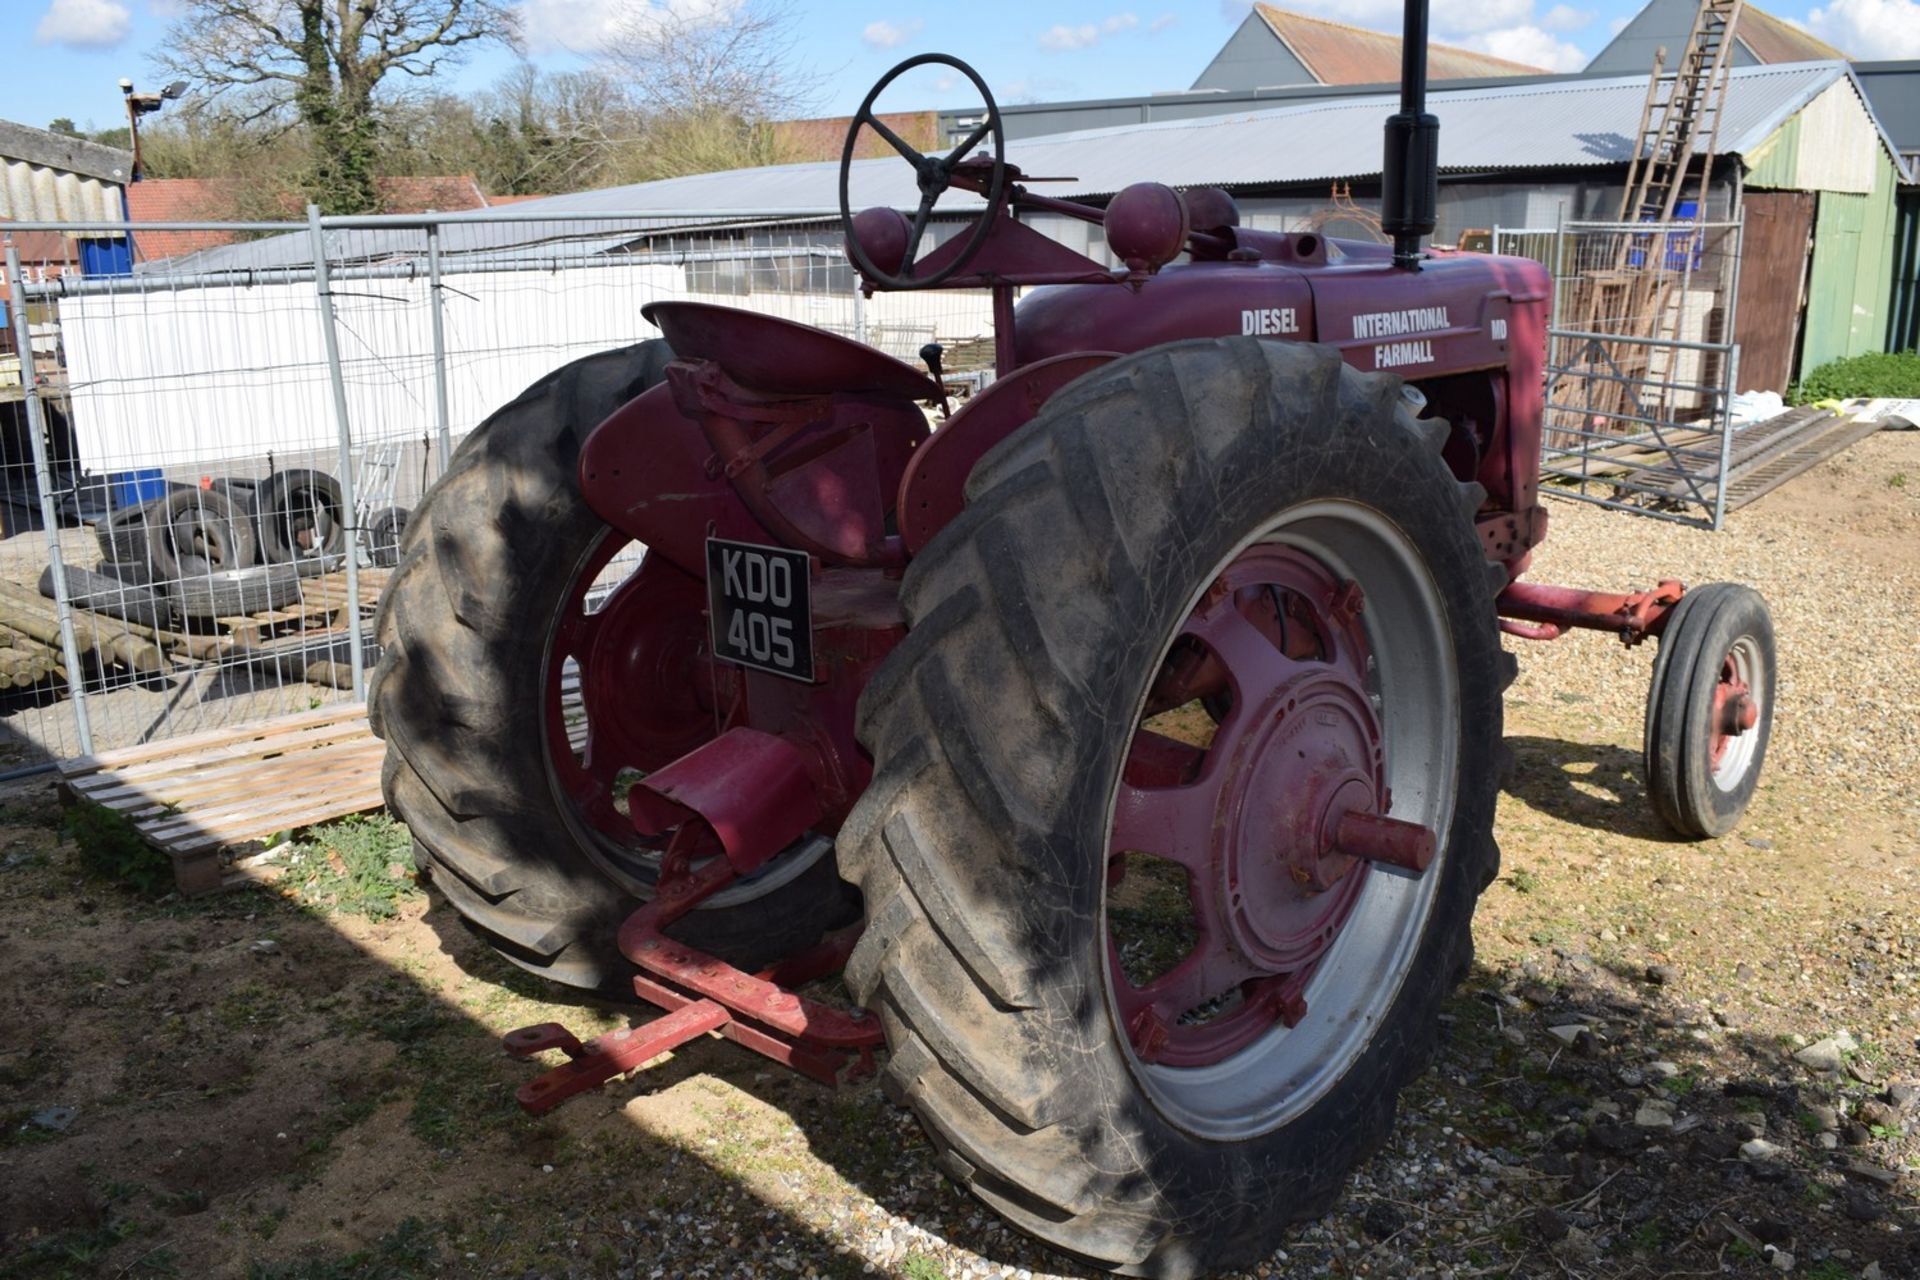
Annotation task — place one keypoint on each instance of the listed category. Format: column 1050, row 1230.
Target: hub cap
column 1736, row 713
column 1289, row 771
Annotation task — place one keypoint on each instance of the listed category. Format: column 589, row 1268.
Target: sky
column 66, row 57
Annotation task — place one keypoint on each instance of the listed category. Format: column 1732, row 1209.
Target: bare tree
column 534, row 132
column 712, row 79
column 323, row 61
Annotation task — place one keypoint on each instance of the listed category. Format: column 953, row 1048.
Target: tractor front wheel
column 534, row 662
column 1710, row 709
column 1186, row 780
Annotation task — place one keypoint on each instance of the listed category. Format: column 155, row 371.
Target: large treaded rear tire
column 459, row 696
column 1035, row 620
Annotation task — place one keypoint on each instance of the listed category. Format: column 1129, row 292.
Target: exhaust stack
column 1410, row 172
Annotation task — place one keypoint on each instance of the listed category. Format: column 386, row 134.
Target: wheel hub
column 1310, row 757
column 1734, row 708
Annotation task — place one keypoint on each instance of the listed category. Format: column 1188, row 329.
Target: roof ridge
column 1799, row 32
column 1270, row 12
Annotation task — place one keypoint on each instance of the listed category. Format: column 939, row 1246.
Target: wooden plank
column 259, row 824
column 257, row 731
column 195, row 796
column 246, row 777
column 168, row 787
column 214, row 757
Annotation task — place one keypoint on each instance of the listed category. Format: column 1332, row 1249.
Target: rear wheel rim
column 1353, row 704
column 646, row 695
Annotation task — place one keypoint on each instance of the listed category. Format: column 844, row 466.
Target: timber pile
column 205, row 798
column 30, row 646
column 25, row 661
column 106, row 641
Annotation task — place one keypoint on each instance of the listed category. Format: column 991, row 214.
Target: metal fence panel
column 317, row 404
column 1641, row 369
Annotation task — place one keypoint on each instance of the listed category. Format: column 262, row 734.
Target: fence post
column 859, row 310
column 49, row 516
column 323, row 288
column 441, row 417
column 1728, row 388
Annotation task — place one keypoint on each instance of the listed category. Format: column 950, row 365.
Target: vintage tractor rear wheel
column 508, row 598
column 1710, row 709
column 1229, row 528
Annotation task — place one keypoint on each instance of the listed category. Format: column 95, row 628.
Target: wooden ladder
column 1679, row 122
column 1681, row 118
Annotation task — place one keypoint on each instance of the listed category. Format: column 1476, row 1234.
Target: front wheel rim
column 1311, row 978
column 1739, row 692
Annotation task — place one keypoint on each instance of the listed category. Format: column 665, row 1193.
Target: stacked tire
column 232, row 548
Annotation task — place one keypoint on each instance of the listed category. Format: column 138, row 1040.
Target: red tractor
column 1197, row 606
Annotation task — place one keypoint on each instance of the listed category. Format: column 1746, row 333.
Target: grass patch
column 360, row 866
column 1523, row 880
column 1879, row 374
column 918, row 1266
column 409, row 1250
column 111, row 848
column 75, row 1253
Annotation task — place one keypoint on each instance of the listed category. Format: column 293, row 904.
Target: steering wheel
column 935, row 175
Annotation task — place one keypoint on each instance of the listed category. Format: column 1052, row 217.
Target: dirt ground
column 1670, row 1059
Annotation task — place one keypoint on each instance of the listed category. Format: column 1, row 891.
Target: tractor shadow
column 1624, row 1148
column 1589, row 784
column 302, row 1082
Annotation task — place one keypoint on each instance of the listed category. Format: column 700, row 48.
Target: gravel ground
column 1670, row 1059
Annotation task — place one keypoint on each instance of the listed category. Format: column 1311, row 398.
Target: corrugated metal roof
column 1540, row 126
column 1336, row 53
column 1549, row 125
column 1771, row 40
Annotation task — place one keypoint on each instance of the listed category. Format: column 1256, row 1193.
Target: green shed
column 1835, row 149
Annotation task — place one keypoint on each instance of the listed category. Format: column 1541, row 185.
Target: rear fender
column 645, row 472
column 933, row 487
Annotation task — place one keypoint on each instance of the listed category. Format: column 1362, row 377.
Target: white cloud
column 1162, row 22
column 1617, row 25
column 84, row 24
column 1869, row 29
column 1061, row 38
column 1529, row 44
column 593, row 26
column 1564, row 17
column 890, row 35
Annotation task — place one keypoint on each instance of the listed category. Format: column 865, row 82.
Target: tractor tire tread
column 948, row 959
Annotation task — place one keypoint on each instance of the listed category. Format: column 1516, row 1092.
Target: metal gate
column 1639, row 393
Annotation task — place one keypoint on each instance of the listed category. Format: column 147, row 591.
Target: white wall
column 181, row 378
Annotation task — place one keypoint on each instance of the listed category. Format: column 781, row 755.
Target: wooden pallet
column 322, row 607
column 203, row 797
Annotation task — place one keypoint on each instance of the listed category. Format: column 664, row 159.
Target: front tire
column 1710, row 709
column 1009, row 724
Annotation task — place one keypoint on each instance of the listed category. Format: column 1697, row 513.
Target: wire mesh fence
column 206, row 465
column 1641, row 365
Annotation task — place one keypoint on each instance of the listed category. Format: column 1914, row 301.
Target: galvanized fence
column 1641, row 365
column 204, row 466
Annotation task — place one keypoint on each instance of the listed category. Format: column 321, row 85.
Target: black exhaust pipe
column 1410, row 174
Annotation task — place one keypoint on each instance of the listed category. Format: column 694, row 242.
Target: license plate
column 762, row 608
